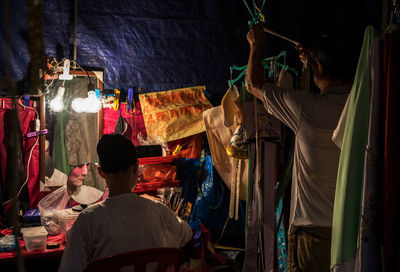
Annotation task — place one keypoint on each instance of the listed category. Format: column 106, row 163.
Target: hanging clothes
column 347, row 205
column 15, row 174
column 260, row 234
column 136, row 130
column 391, row 214
column 369, row 253
column 218, row 137
column 59, row 148
column 26, row 117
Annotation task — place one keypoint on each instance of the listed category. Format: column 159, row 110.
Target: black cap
column 116, row 153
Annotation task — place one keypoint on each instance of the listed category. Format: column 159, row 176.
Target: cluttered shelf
column 54, row 248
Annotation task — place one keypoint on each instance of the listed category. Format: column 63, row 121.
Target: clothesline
column 280, row 36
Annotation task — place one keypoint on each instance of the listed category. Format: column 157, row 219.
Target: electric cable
column 87, row 74
column 30, row 154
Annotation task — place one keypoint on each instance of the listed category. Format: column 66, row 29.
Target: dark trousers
column 309, row 249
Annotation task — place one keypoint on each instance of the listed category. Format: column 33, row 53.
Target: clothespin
column 36, row 133
column 98, row 94
column 116, row 101
column 177, row 150
column 130, row 98
column 26, row 100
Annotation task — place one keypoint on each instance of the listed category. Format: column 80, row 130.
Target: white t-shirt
column 312, row 117
column 119, row 224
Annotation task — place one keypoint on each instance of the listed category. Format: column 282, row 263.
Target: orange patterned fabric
column 174, row 114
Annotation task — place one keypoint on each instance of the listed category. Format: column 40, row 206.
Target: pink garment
column 136, row 129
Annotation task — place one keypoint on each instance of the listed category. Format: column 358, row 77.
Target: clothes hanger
column 266, row 64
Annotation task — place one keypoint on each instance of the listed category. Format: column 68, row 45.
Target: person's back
column 124, row 221
column 313, row 118
column 316, row 157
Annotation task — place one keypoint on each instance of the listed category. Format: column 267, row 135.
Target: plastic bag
column 56, row 200
column 204, row 188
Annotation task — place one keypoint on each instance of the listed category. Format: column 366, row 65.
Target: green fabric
column 347, row 207
column 59, row 150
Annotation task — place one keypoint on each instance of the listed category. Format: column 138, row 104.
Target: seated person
column 124, row 221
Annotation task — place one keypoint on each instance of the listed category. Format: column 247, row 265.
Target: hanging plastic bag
column 204, row 188
column 56, row 200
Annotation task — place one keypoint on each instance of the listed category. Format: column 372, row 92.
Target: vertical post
column 42, row 138
column 75, row 30
column 100, row 120
column 386, row 8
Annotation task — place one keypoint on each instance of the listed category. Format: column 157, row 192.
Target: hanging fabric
column 205, row 190
column 347, row 205
column 135, row 129
column 369, row 253
column 260, row 247
column 30, row 148
column 174, row 114
column 391, row 214
column 218, row 137
column 15, row 188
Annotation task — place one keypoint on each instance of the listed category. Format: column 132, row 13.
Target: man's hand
column 304, row 53
column 256, row 36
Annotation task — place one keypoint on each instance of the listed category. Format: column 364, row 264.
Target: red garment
column 391, row 189
column 136, row 129
column 26, row 117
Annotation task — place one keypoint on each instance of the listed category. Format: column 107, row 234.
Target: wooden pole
column 42, row 139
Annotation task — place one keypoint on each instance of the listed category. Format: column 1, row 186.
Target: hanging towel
column 347, row 207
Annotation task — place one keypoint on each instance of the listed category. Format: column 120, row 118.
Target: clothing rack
column 266, row 65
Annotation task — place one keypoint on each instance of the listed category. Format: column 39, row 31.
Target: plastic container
column 35, row 238
column 155, row 173
column 66, row 219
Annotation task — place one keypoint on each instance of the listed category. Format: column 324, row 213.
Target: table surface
column 47, row 253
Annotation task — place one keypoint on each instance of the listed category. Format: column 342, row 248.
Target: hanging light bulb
column 77, row 104
column 90, row 104
column 93, row 104
column 57, row 104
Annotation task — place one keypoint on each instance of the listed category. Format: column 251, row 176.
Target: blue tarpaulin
column 155, row 45
column 166, row 44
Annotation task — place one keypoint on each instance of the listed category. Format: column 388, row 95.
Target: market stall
column 172, row 78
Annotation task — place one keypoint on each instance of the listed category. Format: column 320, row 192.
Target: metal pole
column 75, row 31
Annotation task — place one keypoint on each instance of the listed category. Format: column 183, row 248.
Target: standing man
column 312, row 117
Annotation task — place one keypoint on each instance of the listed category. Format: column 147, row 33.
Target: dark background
column 167, row 44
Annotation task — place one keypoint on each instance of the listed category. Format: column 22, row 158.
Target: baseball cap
column 116, row 153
